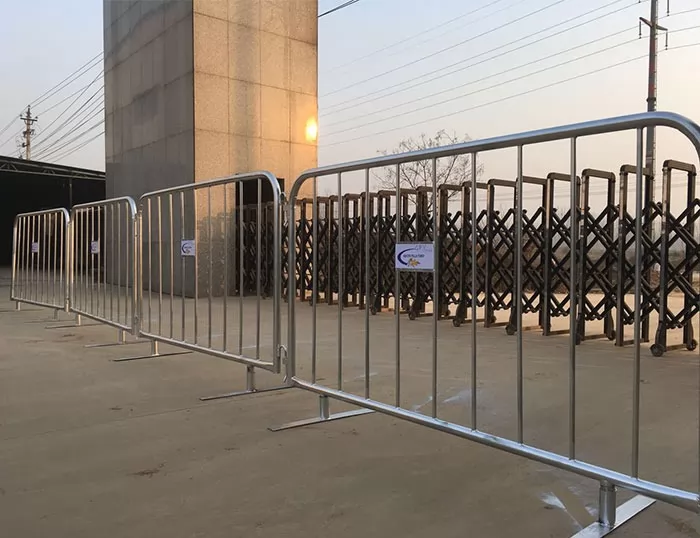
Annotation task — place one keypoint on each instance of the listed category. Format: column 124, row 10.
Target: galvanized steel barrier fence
column 104, row 276
column 568, row 273
column 208, row 260
column 41, row 259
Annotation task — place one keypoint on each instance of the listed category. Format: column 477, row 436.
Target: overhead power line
column 527, row 75
column 338, row 8
column 74, row 139
column 76, row 92
column 507, row 98
column 487, row 88
column 90, row 114
column 436, row 53
column 413, row 36
column 47, row 136
column 332, row 108
column 79, row 147
column 70, row 78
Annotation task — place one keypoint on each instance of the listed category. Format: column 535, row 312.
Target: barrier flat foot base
column 320, row 420
column 142, row 357
column 112, row 344
column 623, row 514
column 73, row 326
column 243, row 393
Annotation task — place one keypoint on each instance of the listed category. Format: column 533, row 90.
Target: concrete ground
column 93, row 448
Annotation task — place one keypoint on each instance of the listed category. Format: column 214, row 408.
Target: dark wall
column 21, row 192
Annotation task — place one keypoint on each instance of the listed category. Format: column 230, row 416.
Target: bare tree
column 453, row 170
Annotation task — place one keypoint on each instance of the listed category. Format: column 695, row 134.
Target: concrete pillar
column 198, row 89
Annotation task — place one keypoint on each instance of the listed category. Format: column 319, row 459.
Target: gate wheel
column 692, row 345
column 657, row 350
column 456, row 321
column 411, row 314
column 510, row 330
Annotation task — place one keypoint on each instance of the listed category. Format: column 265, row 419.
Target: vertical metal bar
column 196, row 271
column 397, row 289
column 112, row 258
column 574, row 223
column 98, row 255
column 150, row 264
column 42, row 250
column 241, row 252
column 291, row 291
column 474, row 288
column 436, row 288
column 91, row 212
column 211, row 265
column 518, row 299
column 258, row 266
column 341, row 280
column 67, row 270
column 86, row 257
column 55, row 253
column 103, row 259
column 32, row 285
column 183, row 334
column 368, row 218
column 137, row 293
column 637, row 302
column 160, row 265
column 315, row 215
column 225, row 318
column 607, row 504
column 127, row 264
column 171, row 239
column 277, row 281
column 20, row 289
column 15, row 244
column 119, row 261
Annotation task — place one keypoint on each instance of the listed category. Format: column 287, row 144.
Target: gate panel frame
column 132, row 260
column 24, row 226
column 274, row 364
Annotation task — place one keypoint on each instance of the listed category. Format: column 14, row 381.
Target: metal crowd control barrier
column 104, row 276
column 41, row 259
column 198, row 282
column 609, row 479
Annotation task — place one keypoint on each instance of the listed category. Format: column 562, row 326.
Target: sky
column 395, row 69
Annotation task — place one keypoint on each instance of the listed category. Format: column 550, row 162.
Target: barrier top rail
column 158, row 335
column 63, row 210
column 588, row 128
column 637, row 122
column 237, row 178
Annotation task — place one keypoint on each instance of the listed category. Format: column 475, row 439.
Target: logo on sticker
column 410, row 257
column 187, row 247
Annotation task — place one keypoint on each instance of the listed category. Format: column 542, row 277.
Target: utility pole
column 653, row 24
column 28, row 132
